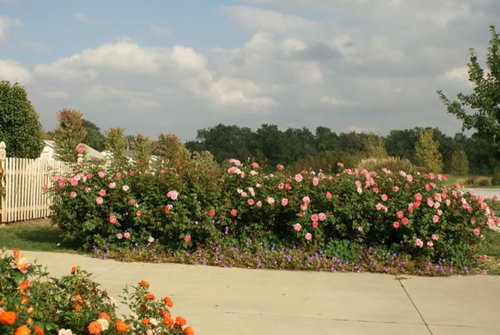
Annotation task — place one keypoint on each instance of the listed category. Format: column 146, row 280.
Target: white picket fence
column 22, row 180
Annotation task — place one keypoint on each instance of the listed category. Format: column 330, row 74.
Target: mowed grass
column 36, row 235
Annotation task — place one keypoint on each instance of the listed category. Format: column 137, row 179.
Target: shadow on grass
column 35, row 238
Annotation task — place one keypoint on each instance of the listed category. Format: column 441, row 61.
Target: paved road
column 218, row 301
column 486, row 192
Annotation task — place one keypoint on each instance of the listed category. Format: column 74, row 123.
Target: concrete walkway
column 218, row 301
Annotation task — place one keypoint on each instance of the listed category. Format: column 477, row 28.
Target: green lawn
column 37, row 238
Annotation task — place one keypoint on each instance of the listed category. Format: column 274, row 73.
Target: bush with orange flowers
column 31, row 303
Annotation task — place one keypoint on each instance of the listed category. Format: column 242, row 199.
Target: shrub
column 35, row 303
column 459, row 164
column 476, row 181
column 390, row 163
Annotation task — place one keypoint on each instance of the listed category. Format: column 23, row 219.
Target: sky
column 177, row 66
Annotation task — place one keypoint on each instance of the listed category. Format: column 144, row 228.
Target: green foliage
column 374, row 146
column 143, row 149
column 427, row 153
column 68, row 134
column 116, row 143
column 169, row 148
column 390, row 163
column 485, row 99
column 495, row 179
column 20, row 128
column 459, row 164
column 93, row 138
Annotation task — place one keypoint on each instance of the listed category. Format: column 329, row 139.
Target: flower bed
column 33, row 303
column 394, row 212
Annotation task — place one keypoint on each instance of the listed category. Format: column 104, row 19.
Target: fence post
column 3, row 156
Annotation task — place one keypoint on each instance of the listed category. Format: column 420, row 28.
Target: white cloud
column 5, row 24
column 460, row 73
column 12, row 71
column 82, row 18
column 187, row 58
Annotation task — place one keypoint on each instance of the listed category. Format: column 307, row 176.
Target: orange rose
column 121, row 326
column 167, row 319
column 144, row 283
column 21, row 261
column 24, row 301
column 145, row 321
column 94, row 328
column 105, row 316
column 38, row 330
column 8, row 318
column 189, row 331
column 30, row 309
column 24, row 285
column 149, row 297
column 74, row 269
column 77, row 308
column 180, row 321
column 168, row 302
column 22, row 330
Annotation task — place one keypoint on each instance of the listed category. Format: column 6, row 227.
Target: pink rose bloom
column 253, row 173
column 360, row 228
column 270, row 201
column 80, row 149
column 473, row 221
column 288, row 186
column 427, row 187
column 258, row 203
column 297, row 226
column 435, row 219
column 376, row 190
column 45, row 187
column 126, row 234
column 315, row 224
column 131, row 201
column 430, row 244
column 339, row 164
column 328, row 195
column 281, row 186
column 314, row 217
column 119, row 236
column 72, row 194
column 395, row 189
column 303, row 207
column 131, row 173
column 384, row 197
column 357, row 183
column 395, row 224
column 379, row 206
column 315, row 181
column 139, row 213
column 99, row 200
column 113, row 219
column 280, row 167
column 321, row 216
column 187, row 238
column 400, row 214
column 112, row 185
column 255, row 165
column 173, row 194
column 417, row 197
column 250, row 202
column 405, row 221
column 90, row 175
column 308, row 236
column 102, row 193
column 87, row 189
column 409, row 178
column 118, row 175
column 419, row 243
column 306, row 200
column 211, row 212
column 233, row 212
column 284, row 202
column 476, row 232
column 430, row 202
column 167, row 208
column 435, row 237
column 125, row 188
column 101, row 174
column 495, row 197
column 73, row 182
column 298, row 178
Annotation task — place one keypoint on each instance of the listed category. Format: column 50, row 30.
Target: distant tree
column 20, row 128
column 485, row 99
column 68, row 134
column 459, row 164
column 272, row 145
column 427, row 153
column 94, row 138
column 168, row 147
column 143, row 149
column 299, row 143
column 401, row 143
column 116, row 143
column 374, row 146
column 325, row 139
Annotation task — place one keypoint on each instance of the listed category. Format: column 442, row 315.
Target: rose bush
column 191, row 205
column 33, row 303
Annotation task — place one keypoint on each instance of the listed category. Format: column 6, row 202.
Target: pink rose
column 430, row 244
column 435, row 219
column 73, row 182
column 118, row 175
column 126, row 234
column 379, row 206
column 280, row 167
column 281, row 186
column 405, row 221
column 400, row 214
column 417, row 197
column 315, row 181
column 306, row 200
column 90, row 175
column 211, row 212
column 314, row 217
column 255, row 165
column 250, row 202
column 258, row 203
column 303, row 207
column 80, row 149
column 99, row 200
column 339, row 164
column 308, row 236
column 101, row 174
column 87, row 189
column 315, row 224
column 139, row 213
column 45, row 187
column 173, row 194
column 72, row 194
column 270, row 201
column 284, row 202
column 384, row 197
column 112, row 185
column 113, row 219
column 233, row 212
column 297, row 226
column 167, row 208
column 419, row 243
column 476, row 232
column 395, row 224
column 102, row 193
column 298, row 178
column 125, row 188
column 187, row 238
column 328, row 195
column 119, row 236
column 321, row 216
column 435, row 237
column 131, row 201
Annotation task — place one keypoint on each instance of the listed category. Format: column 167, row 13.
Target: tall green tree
column 375, row 146
column 427, row 153
column 480, row 110
column 68, row 134
column 20, row 128
column 94, row 138
column 143, row 149
column 459, row 164
column 116, row 143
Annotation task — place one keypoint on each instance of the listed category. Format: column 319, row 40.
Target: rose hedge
column 396, row 211
column 33, row 303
